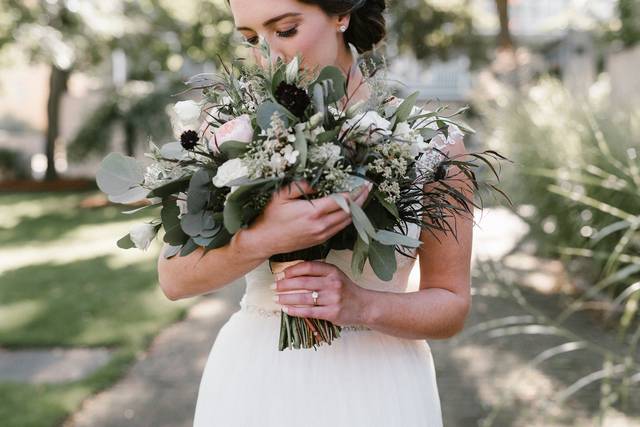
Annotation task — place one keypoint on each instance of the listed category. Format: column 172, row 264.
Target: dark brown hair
column 367, row 25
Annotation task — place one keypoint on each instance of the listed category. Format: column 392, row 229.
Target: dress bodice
column 259, row 295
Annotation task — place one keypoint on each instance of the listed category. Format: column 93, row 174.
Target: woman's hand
column 289, row 223
column 340, row 300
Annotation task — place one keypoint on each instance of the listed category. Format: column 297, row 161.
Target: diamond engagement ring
column 314, row 295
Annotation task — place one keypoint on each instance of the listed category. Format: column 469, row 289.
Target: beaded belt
column 261, row 311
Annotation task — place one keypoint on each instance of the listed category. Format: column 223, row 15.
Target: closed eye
column 284, row 34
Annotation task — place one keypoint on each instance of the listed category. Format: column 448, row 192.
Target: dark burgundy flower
column 189, row 139
column 292, row 98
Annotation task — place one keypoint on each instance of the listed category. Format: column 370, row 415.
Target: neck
column 357, row 88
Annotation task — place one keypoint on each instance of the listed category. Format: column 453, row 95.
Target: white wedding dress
column 363, row 379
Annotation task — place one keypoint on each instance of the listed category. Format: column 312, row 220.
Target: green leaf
column 173, row 233
column 341, row 201
column 404, row 110
column 359, row 257
column 266, row 110
column 300, row 144
column 170, row 188
column 392, row 208
column 333, row 82
column 118, row 174
column 188, row 247
column 361, row 222
column 125, row 242
column 134, row 194
column 387, row 237
column 383, row 260
column 234, row 149
column 199, row 189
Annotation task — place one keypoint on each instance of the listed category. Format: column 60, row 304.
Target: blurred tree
column 156, row 36
column 505, row 41
column 629, row 22
column 436, row 29
column 67, row 36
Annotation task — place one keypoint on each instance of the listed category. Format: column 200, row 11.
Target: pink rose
column 238, row 129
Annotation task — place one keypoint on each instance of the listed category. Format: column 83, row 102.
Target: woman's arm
column 286, row 224
column 196, row 274
column 439, row 309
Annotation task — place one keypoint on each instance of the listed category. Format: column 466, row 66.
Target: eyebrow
column 273, row 20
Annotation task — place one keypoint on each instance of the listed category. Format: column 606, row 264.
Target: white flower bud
column 292, row 70
column 142, row 234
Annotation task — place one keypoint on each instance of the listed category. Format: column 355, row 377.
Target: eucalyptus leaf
column 171, row 250
column 318, row 98
column 198, row 193
column 383, row 260
column 173, row 151
column 192, row 223
column 173, row 233
column 334, row 81
column 234, row 149
column 170, row 188
column 118, row 174
column 126, row 242
column 341, row 201
column 387, row 237
column 266, row 110
column 361, row 222
column 300, row 144
column 134, row 194
column 404, row 110
column 188, row 247
column 359, row 257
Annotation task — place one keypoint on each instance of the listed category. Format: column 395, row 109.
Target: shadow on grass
column 82, row 303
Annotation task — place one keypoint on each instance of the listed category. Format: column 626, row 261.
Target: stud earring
column 342, row 28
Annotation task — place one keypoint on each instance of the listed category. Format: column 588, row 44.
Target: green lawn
column 64, row 282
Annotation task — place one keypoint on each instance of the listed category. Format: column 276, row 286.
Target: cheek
column 318, row 48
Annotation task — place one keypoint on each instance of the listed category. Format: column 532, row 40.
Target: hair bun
column 367, row 25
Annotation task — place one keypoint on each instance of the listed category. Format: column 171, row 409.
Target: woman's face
column 291, row 27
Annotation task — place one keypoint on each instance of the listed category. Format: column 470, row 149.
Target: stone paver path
column 51, row 365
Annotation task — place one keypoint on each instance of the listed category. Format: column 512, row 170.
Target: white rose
column 142, row 234
column 238, row 129
column 365, row 121
column 404, row 131
column 188, row 113
column 439, row 141
column 229, row 171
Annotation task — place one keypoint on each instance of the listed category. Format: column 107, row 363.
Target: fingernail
column 285, row 309
column 275, row 298
column 369, row 185
column 280, row 275
column 274, row 286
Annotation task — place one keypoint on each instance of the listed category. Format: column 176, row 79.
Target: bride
column 380, row 372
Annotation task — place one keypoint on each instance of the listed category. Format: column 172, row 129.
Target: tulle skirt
column 363, row 379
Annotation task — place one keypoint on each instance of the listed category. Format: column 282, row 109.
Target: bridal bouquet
column 256, row 130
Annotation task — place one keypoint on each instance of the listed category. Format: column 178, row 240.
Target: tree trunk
column 505, row 41
column 129, row 138
column 57, row 88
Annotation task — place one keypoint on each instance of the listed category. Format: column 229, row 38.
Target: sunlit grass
column 64, row 282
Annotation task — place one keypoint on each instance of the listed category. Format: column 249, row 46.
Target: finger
column 299, row 282
column 306, row 298
column 308, row 268
column 319, row 312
